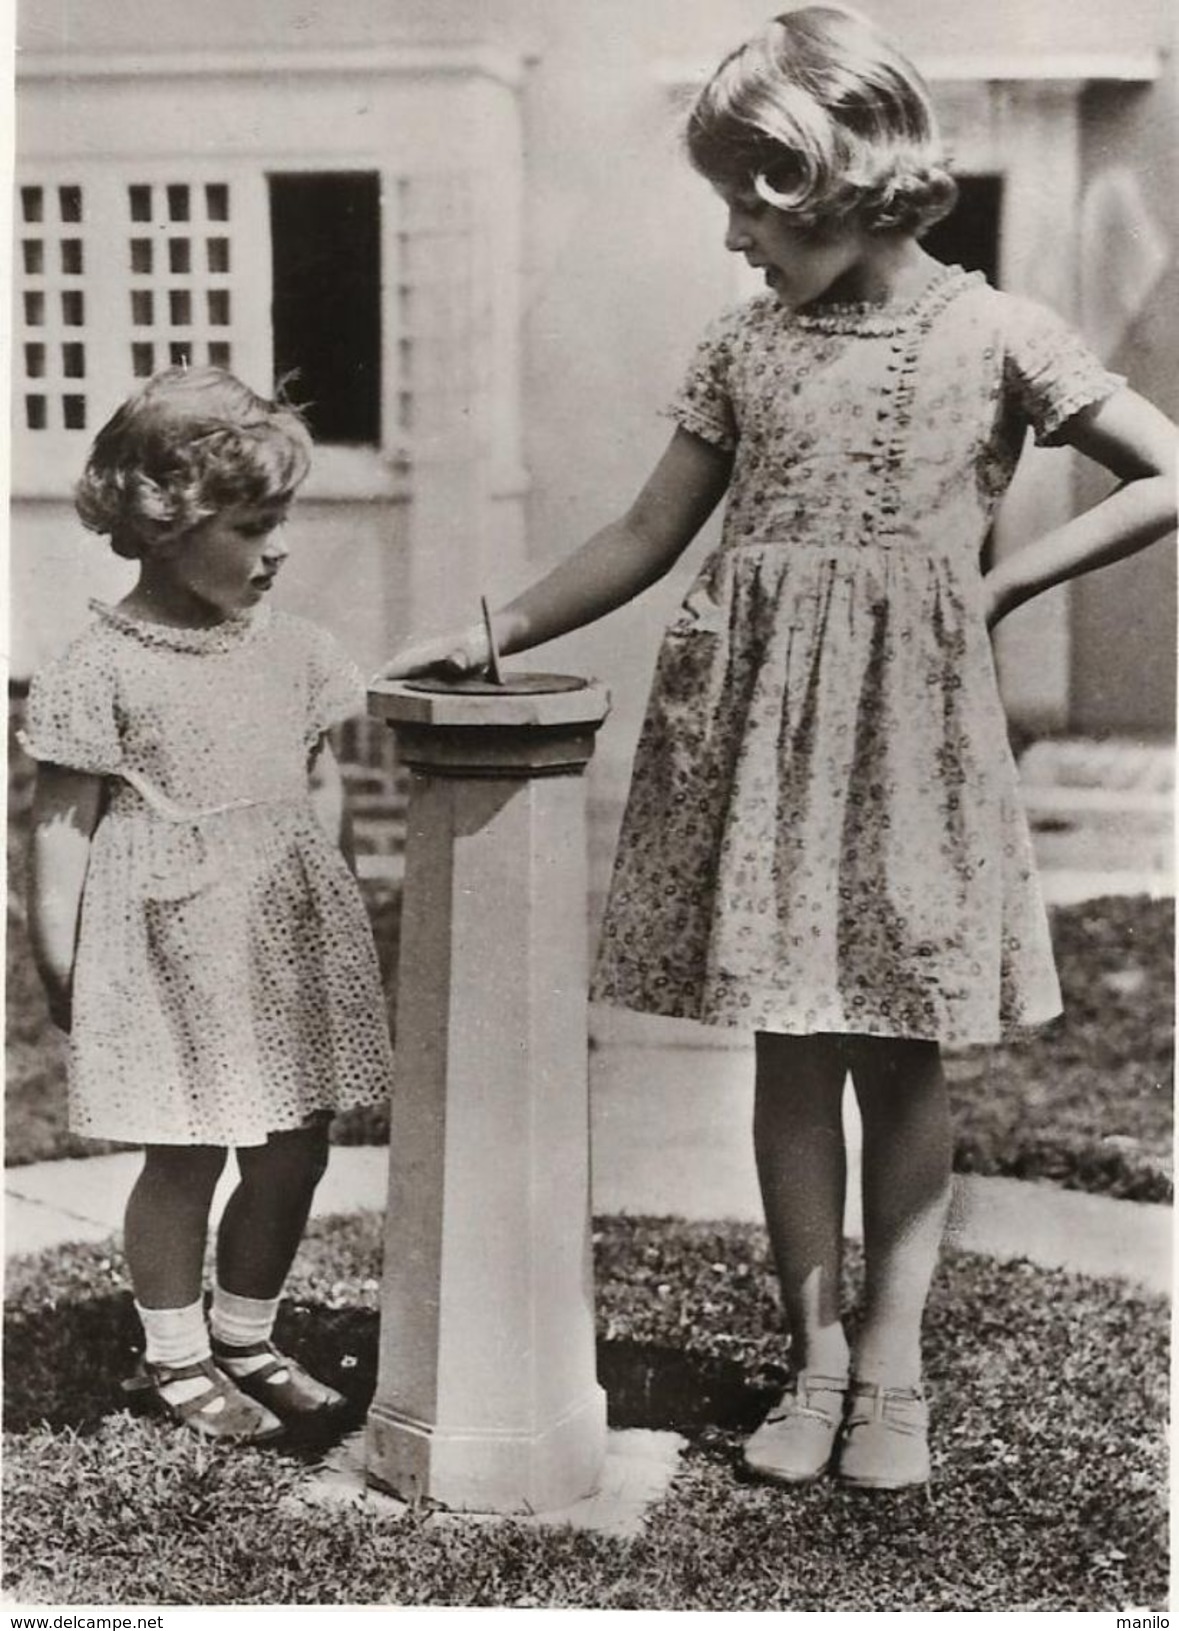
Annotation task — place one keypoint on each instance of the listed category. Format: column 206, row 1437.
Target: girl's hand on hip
column 993, row 608
column 458, row 653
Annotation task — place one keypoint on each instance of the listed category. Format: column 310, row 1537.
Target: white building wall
column 620, row 255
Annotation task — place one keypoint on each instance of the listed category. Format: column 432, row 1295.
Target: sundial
column 482, row 685
column 495, row 682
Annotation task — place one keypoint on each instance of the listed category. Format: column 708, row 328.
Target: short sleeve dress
column 226, row 983
column 824, row 831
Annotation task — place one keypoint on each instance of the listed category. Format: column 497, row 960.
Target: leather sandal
column 238, row 1420
column 796, row 1441
column 885, row 1442
column 283, row 1386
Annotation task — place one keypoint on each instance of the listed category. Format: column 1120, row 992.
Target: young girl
column 193, row 919
column 823, row 839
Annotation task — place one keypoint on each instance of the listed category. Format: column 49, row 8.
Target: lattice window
column 52, row 361
column 373, row 288
column 179, row 263
column 120, row 271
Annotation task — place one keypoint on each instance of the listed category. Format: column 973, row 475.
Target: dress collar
column 890, row 317
column 220, row 637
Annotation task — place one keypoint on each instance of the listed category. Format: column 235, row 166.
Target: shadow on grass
column 657, row 1387
column 64, row 1365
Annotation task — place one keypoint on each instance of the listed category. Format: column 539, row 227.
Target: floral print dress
column 824, row 831
column 226, row 984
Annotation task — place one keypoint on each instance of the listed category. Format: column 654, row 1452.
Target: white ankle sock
column 240, row 1322
column 175, row 1337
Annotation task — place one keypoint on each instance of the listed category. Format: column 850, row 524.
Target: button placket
column 905, row 355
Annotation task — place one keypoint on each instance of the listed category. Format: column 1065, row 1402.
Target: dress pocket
column 179, row 865
column 700, row 613
column 691, row 667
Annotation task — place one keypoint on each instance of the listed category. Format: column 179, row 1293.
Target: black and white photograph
column 590, row 858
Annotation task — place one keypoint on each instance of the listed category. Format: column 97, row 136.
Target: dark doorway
column 326, row 314
column 969, row 236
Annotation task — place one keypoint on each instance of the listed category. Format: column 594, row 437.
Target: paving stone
column 639, row 1467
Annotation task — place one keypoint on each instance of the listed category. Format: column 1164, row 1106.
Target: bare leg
column 261, row 1228
column 802, row 1168
column 166, row 1223
column 166, row 1228
column 266, row 1215
column 901, row 1090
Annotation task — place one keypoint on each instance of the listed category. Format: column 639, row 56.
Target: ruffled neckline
column 219, row 637
column 882, row 318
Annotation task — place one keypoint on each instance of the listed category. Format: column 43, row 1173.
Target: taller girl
column 824, row 840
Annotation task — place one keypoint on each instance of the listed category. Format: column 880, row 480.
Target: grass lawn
column 1049, row 1395
column 1087, row 1102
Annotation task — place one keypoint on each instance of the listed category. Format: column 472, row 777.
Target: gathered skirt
column 824, row 831
column 226, row 984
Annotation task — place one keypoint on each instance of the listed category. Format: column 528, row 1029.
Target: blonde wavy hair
column 188, row 444
column 822, row 117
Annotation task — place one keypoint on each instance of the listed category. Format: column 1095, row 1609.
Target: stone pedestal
column 487, row 1397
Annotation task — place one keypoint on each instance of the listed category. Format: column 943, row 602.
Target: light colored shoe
column 797, row 1439
column 885, row 1443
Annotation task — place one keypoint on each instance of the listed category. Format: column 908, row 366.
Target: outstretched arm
column 612, row 567
column 66, row 807
column 1136, row 443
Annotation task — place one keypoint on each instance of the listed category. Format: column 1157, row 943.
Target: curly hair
column 188, row 444
column 822, row 117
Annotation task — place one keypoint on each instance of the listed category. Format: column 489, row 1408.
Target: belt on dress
column 170, row 810
column 189, row 863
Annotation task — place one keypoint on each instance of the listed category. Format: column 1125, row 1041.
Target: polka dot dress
column 824, row 830
column 226, row 983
